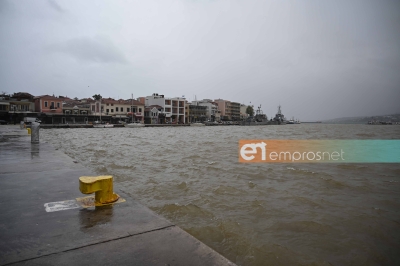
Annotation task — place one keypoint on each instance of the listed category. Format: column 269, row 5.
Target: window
column 112, row 105
column 108, row 110
column 140, row 110
column 92, row 108
column 122, row 109
column 45, row 104
column 127, row 109
column 116, row 109
column 112, row 110
column 58, row 105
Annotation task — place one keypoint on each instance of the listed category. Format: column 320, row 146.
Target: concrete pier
column 127, row 233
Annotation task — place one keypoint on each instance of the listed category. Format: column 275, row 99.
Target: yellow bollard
column 102, row 186
column 29, row 131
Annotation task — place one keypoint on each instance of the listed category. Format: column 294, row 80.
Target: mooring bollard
column 102, row 186
column 35, row 132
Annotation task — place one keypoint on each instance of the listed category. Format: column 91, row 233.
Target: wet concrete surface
column 125, row 233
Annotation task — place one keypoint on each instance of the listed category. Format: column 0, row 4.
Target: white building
column 173, row 108
column 212, row 108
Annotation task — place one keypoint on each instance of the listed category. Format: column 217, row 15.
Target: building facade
column 48, row 104
column 14, row 107
column 229, row 110
column 198, row 113
column 173, row 108
column 211, row 108
column 153, row 115
column 119, row 110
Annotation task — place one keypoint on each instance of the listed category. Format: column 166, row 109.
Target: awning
column 4, row 103
column 135, row 114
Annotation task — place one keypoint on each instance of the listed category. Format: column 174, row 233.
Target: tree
column 97, row 97
column 76, row 98
column 250, row 110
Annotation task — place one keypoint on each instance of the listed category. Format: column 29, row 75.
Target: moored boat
column 197, row 124
column 106, row 125
column 134, row 124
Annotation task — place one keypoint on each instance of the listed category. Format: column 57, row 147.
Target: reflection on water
column 254, row 214
column 103, row 216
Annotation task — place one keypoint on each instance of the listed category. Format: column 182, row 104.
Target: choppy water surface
column 254, row 214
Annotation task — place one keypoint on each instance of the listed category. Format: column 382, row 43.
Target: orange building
column 48, row 104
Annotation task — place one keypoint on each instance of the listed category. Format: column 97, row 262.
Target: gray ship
column 260, row 119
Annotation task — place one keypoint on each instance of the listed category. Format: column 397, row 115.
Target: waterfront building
column 197, row 113
column 119, row 110
column 14, row 107
column 173, row 108
column 234, row 108
column 218, row 115
column 75, row 107
column 211, row 109
column 48, row 104
column 154, row 115
column 222, row 107
column 187, row 112
column 229, row 110
column 130, row 108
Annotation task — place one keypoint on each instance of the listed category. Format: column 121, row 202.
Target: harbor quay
column 46, row 126
column 42, row 224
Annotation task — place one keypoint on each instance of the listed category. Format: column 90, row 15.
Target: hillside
column 363, row 119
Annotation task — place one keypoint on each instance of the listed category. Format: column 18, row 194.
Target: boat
column 101, row 124
column 293, row 121
column 197, row 124
column 279, row 118
column 134, row 123
column 260, row 119
column 105, row 125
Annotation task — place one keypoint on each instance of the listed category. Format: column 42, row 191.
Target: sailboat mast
column 132, row 106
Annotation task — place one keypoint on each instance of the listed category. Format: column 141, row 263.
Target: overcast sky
column 318, row 59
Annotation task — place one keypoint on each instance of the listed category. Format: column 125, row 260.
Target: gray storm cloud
column 318, row 59
column 99, row 49
column 53, row 4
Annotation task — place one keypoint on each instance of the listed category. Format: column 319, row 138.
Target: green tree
column 250, row 110
column 97, row 97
